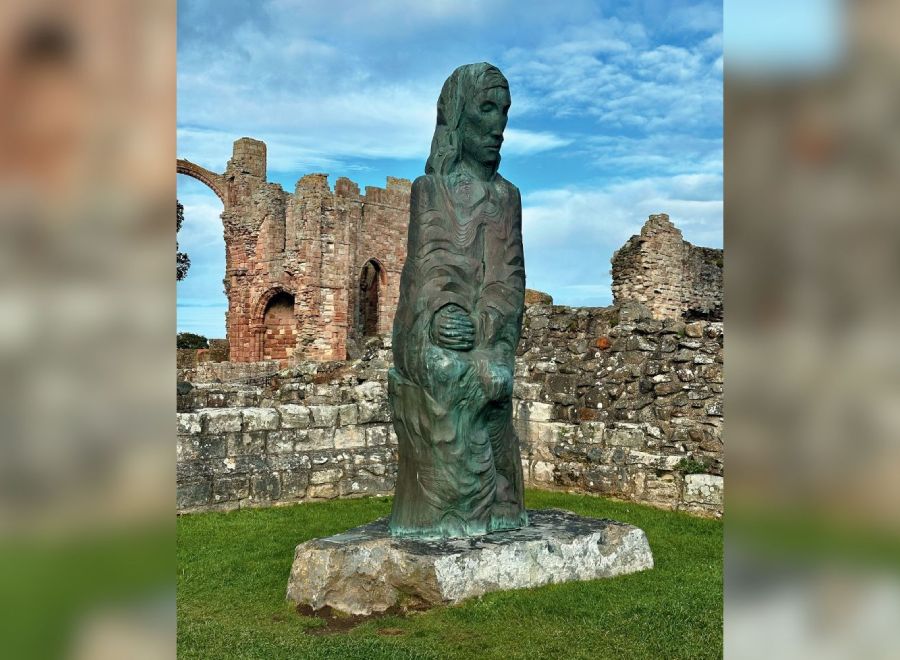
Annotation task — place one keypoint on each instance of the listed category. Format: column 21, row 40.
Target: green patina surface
column 457, row 325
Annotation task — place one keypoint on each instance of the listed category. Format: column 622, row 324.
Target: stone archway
column 276, row 325
column 200, row 281
column 371, row 286
column 215, row 182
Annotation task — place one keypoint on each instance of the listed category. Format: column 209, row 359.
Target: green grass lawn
column 233, row 570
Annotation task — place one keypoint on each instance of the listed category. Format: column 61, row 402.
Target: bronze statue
column 458, row 323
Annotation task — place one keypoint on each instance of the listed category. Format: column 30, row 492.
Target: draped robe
column 460, row 471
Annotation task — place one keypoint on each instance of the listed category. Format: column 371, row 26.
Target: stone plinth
column 365, row 570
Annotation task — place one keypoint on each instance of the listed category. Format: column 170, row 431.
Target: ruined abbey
column 624, row 401
column 309, row 275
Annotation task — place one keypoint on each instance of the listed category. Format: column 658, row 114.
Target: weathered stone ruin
column 674, row 279
column 311, row 273
column 606, row 400
column 623, row 401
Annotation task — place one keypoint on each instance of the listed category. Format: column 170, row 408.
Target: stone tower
column 673, row 278
column 307, row 274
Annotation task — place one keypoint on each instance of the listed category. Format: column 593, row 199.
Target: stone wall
column 607, row 401
column 316, row 431
column 191, row 357
column 298, row 267
column 293, row 262
column 674, row 279
column 613, row 402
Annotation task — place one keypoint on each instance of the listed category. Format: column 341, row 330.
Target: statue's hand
column 452, row 328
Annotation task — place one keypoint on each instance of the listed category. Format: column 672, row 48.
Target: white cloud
column 521, row 142
column 612, row 89
column 203, row 209
column 625, row 81
column 663, row 153
column 570, row 234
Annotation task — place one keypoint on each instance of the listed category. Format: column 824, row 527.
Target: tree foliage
column 182, row 261
column 191, row 340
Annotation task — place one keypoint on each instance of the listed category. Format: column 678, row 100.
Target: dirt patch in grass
column 339, row 622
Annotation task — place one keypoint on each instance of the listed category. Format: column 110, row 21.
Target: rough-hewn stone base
column 365, row 570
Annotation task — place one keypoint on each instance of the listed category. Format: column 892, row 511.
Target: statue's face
column 483, row 123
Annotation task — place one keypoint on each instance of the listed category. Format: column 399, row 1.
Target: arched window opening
column 202, row 305
column 280, row 333
column 369, row 284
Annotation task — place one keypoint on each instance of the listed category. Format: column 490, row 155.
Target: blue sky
column 616, row 113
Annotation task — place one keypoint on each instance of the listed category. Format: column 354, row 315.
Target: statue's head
column 471, row 117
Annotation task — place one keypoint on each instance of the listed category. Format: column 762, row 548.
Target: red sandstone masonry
column 310, row 249
column 307, row 249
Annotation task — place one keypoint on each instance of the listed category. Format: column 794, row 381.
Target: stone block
column 365, row 486
column 280, row 442
column 260, row 419
column 374, row 411
column 661, row 491
column 525, row 390
column 324, row 416
column 365, row 570
column 190, row 494
column 377, row 436
column 212, row 446
column 665, row 389
column 327, row 476
column 630, row 437
column 541, row 437
column 703, row 489
column 315, row 440
column 349, row 437
column 265, row 486
column 189, row 423
column 252, row 443
column 224, row 420
column 190, row 471
column 606, row 480
column 591, row 432
column 230, row 488
column 683, row 355
column 535, row 411
column 369, row 391
column 693, row 329
column 186, row 448
column 542, row 472
column 714, row 409
column 294, row 416
column 322, row 491
column 656, row 461
column 294, row 483
column 348, row 414
column 286, row 463
column 217, row 399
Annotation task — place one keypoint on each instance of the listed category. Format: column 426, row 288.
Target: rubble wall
column 607, row 401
